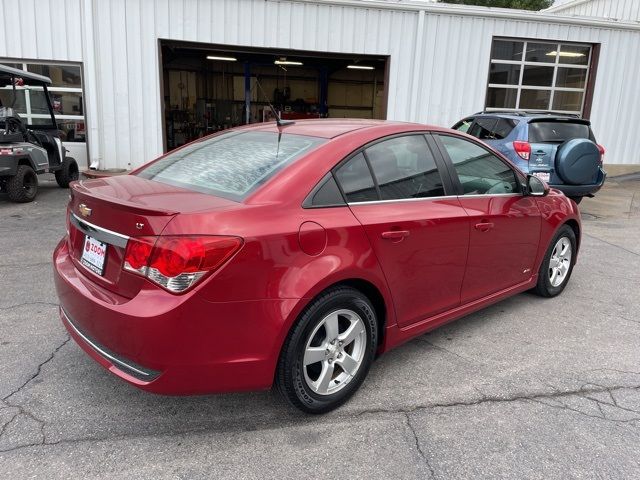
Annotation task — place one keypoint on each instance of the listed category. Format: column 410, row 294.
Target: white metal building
column 612, row 9
column 116, row 65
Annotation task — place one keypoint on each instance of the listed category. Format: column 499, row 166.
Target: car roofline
column 529, row 113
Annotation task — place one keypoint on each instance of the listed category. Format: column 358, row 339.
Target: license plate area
column 94, row 254
column 544, row 176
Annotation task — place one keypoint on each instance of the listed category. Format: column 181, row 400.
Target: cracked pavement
column 528, row 388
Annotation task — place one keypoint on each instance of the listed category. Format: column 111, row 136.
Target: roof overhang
column 14, row 72
column 477, row 11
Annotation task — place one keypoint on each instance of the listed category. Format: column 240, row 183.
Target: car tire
column 67, row 173
column 23, row 186
column 328, row 352
column 558, row 263
column 576, row 199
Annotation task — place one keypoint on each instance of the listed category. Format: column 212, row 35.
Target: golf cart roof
column 14, row 72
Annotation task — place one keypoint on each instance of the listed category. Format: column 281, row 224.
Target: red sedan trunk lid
column 113, row 209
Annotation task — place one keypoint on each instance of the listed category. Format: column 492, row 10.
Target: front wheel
column 558, row 262
column 329, row 351
column 23, row 186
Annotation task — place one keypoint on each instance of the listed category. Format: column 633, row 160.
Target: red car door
column 419, row 235
column 504, row 224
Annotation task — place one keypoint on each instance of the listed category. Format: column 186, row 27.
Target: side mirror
column 536, row 187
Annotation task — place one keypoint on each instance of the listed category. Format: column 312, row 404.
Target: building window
column 535, row 75
column 66, row 96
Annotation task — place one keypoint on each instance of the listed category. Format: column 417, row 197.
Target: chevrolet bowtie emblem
column 84, row 210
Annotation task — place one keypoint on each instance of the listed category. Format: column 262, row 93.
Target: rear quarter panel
column 555, row 211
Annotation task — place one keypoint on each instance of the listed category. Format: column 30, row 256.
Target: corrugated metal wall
column 47, row 29
column 617, row 9
column 438, row 68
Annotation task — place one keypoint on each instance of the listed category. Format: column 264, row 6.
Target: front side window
column 230, row 165
column 536, row 75
column 404, row 167
column 463, row 125
column 480, row 171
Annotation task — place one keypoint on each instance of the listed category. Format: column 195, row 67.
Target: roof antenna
column 279, row 121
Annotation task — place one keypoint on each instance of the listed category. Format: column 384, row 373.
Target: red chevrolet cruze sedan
column 292, row 255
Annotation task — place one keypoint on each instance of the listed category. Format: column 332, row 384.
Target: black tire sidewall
column 544, row 282
column 64, row 175
column 291, row 375
column 15, row 185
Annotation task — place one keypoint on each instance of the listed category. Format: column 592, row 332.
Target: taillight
column 523, row 149
column 601, row 150
column 137, row 254
column 178, row 262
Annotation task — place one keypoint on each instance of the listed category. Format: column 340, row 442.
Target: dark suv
column 557, row 148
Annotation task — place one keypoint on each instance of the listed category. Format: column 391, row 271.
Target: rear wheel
column 23, row 186
column 329, row 351
column 558, row 262
column 68, row 172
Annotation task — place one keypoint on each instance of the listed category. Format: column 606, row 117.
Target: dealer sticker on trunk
column 93, row 255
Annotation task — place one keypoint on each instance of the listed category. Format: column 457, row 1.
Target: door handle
column 484, row 226
column 395, row 234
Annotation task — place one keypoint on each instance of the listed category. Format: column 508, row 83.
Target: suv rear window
column 231, row 165
column 557, row 132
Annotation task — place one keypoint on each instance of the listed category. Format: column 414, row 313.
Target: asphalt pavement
column 528, row 388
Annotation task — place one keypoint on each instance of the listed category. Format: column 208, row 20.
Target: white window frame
column 555, row 64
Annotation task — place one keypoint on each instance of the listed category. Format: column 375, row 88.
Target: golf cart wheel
column 68, row 172
column 329, row 351
column 23, row 186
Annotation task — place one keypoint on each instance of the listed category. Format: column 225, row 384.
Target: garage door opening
column 208, row 88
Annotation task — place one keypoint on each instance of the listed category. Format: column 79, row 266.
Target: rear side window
column 355, row 179
column 405, row 168
column 480, row 172
column 326, row 194
column 492, row 128
column 231, row 165
column 483, row 128
column 557, row 132
column 503, row 128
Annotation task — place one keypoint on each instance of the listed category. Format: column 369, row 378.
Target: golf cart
column 28, row 149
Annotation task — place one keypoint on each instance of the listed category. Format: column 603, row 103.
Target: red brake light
column 136, row 256
column 602, row 150
column 178, row 262
column 523, row 149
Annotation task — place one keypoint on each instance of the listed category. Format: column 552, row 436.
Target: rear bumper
column 171, row 344
column 582, row 190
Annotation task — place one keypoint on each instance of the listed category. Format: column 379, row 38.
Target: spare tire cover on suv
column 578, row 161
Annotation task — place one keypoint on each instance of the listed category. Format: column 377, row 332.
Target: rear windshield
column 231, row 165
column 557, row 132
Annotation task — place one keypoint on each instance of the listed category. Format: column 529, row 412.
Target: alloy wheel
column 334, row 352
column 560, row 262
